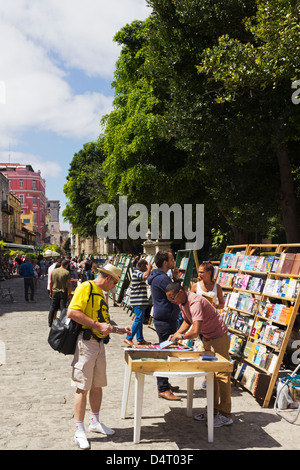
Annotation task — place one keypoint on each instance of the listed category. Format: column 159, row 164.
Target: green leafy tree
column 85, row 189
column 239, row 190
column 141, row 161
column 260, row 73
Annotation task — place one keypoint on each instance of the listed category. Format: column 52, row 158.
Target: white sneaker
column 100, row 427
column 221, row 420
column 81, row 441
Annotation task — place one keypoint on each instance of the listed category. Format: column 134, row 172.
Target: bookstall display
column 124, row 262
column 186, row 261
column 228, row 268
column 100, row 260
column 262, row 301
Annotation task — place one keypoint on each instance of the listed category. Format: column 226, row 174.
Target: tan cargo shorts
column 89, row 364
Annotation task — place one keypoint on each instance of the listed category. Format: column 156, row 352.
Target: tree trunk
column 287, row 199
column 240, row 236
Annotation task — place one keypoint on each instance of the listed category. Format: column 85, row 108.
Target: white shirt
column 50, row 269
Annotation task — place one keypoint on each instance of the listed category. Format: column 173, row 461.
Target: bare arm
column 193, row 333
column 103, row 328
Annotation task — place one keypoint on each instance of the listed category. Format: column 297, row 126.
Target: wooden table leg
column 210, row 405
column 138, row 405
column 126, row 386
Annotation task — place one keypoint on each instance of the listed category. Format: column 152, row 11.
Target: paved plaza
column 36, row 397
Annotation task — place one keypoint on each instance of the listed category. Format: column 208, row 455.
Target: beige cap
column 112, row 270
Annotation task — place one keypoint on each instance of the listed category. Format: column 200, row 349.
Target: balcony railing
column 5, row 207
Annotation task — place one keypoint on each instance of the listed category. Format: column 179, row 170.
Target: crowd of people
column 40, row 268
column 200, row 317
column 178, row 314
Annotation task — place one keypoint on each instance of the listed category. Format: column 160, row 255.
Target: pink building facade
column 30, row 189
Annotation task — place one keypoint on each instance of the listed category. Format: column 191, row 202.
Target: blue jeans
column 137, row 327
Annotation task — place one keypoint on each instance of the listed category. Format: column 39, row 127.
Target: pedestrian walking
column 60, row 289
column 27, row 272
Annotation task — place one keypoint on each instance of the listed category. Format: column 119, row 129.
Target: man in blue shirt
column 165, row 313
column 26, row 271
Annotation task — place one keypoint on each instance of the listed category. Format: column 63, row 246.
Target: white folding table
column 156, row 364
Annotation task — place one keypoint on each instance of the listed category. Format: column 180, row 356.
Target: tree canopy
column 202, row 114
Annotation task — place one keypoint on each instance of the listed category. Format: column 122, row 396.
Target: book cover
column 262, row 308
column 273, row 363
column 247, row 262
column 275, row 262
column 233, row 299
column 255, row 266
column 269, row 264
column 225, row 260
column 221, row 278
column 251, row 283
column 166, row 344
column 284, row 314
column 296, row 265
column 288, row 263
column 245, row 282
column 277, row 311
column 269, row 287
column 256, row 282
column 291, row 289
column 252, row 352
column 252, row 263
column 239, row 261
column 260, row 285
column 255, row 305
column 283, row 287
column 260, row 265
column 228, row 280
column 281, row 261
column 232, row 261
column 243, row 263
column 239, row 281
column 266, row 333
column 251, row 304
column 261, row 385
column 240, row 371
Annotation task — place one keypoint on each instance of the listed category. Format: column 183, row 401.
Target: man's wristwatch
column 117, row 329
column 182, row 336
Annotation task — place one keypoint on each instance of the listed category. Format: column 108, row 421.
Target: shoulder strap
column 102, row 301
column 92, row 294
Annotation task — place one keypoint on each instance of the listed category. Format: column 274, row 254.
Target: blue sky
column 57, row 60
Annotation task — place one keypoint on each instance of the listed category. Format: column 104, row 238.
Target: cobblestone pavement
column 36, row 398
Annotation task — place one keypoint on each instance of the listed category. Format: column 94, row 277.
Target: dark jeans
column 59, row 302
column 29, row 284
column 164, row 330
column 89, row 275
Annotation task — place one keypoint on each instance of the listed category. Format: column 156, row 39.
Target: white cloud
column 48, row 169
column 40, row 42
column 79, row 32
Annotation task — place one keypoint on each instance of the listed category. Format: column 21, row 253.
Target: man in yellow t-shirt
column 88, row 308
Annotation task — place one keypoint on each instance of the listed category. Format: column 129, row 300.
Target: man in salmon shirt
column 201, row 318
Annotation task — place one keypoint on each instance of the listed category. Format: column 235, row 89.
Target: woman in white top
column 207, row 286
